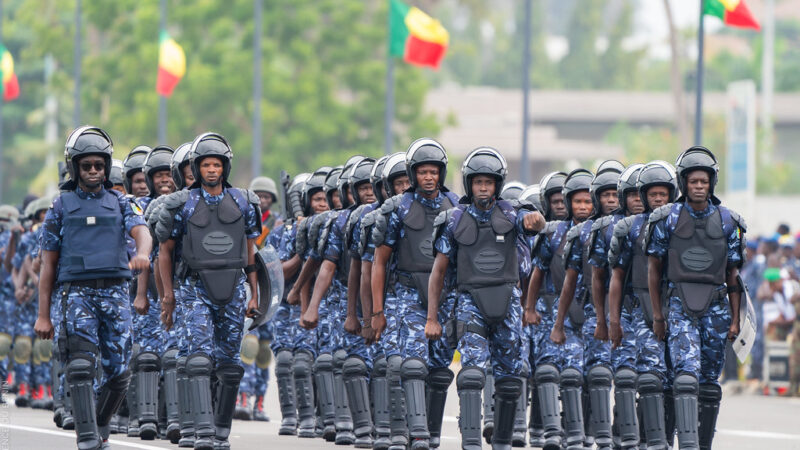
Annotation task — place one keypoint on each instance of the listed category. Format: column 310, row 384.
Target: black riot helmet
column 207, row 145
column 697, row 157
column 83, row 141
column 63, row 173
column 604, row 180
column 395, row 167
column 331, row 184
column 532, row 194
column 180, row 159
column 344, row 179
column 577, row 180
column 425, row 151
column 315, row 183
column 656, row 173
column 484, row 161
column 160, row 158
column 376, row 179
column 512, row 190
column 626, row 184
column 612, row 164
column 360, row 173
column 132, row 164
column 550, row 184
column 116, row 172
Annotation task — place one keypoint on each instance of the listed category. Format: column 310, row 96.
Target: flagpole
column 2, row 100
column 76, row 112
column 526, row 85
column 162, row 101
column 256, row 161
column 389, row 113
column 698, row 114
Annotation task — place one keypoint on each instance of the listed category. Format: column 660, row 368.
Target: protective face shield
column 180, row 159
column 577, row 180
column 270, row 285
column 343, row 185
column 84, row 141
column 550, row 184
column 331, row 184
column 627, row 183
column 611, row 164
column 656, row 173
column 484, row 161
column 512, row 190
column 697, row 157
column 132, row 164
column 603, row 181
column 265, row 184
column 425, row 151
column 360, row 173
column 206, row 145
column 116, row 172
column 160, row 158
column 395, row 167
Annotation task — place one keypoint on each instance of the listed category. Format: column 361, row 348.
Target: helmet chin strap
column 484, row 203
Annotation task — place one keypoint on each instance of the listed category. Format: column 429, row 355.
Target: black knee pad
column 471, row 377
column 685, row 384
column 650, row 383
column 198, row 365
column 414, row 369
column 170, row 359
column 625, row 379
column 230, row 374
column 302, row 364
column 507, row 388
column 283, row 363
column 324, row 363
column 181, row 364
column 80, row 368
column 571, row 378
column 379, row 368
column 710, row 393
column 393, row 365
column 440, row 378
column 354, row 367
column 148, row 362
column 599, row 376
column 339, row 357
column 546, row 373
column 120, row 382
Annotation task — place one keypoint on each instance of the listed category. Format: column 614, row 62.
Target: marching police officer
column 698, row 245
column 84, row 254
column 217, row 225
column 480, row 239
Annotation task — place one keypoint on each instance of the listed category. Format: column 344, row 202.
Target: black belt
column 99, row 283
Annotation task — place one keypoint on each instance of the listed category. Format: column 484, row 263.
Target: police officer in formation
column 552, row 294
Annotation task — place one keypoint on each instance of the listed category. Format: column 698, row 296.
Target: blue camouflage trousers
column 215, row 330
column 543, row 349
column 502, row 346
column 624, row 356
column 328, row 338
column 441, row 354
column 101, row 317
column 595, row 352
column 24, row 318
column 390, row 338
column 8, row 305
column 650, row 356
column 147, row 330
column 697, row 345
column 184, row 292
column 284, row 322
column 354, row 344
column 411, row 316
column 569, row 354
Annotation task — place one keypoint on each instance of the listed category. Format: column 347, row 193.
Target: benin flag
column 733, row 13
column 416, row 36
column 171, row 65
column 10, row 82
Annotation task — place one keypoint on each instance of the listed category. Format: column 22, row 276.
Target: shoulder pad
column 660, row 213
column 574, row 232
column 391, row 204
column 601, row 223
column 738, row 219
column 369, row 218
column 301, row 240
column 252, row 197
column 353, row 219
column 176, row 199
column 623, row 227
column 164, row 217
column 439, row 224
column 551, row 227
column 379, row 229
column 524, row 204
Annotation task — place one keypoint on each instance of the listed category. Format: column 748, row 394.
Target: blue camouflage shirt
column 53, row 229
column 356, row 237
column 574, row 259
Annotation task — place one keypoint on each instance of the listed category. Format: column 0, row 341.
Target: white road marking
column 65, row 434
column 761, row 434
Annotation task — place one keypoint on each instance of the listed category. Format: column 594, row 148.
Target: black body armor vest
column 215, row 246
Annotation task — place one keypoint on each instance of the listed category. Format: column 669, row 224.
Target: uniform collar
column 212, row 199
column 710, row 208
column 479, row 214
column 433, row 203
column 85, row 195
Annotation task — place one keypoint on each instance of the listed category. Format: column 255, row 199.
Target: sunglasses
column 98, row 166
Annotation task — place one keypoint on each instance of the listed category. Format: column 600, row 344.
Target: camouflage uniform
column 8, row 304
column 24, row 315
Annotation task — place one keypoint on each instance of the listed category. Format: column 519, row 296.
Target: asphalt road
column 745, row 422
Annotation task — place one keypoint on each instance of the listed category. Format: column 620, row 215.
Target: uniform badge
column 91, row 220
column 136, row 208
column 499, row 238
